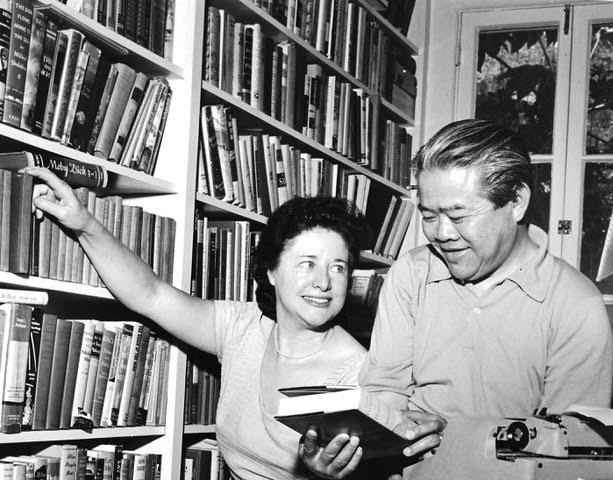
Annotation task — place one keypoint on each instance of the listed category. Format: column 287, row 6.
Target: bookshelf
column 171, row 191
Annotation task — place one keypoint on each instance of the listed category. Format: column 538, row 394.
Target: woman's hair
column 496, row 152
column 300, row 215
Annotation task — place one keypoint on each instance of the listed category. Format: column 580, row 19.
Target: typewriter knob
column 518, row 436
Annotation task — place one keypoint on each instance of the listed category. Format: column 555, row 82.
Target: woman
column 288, row 338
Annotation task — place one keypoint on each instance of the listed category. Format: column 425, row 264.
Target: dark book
column 13, row 364
column 80, row 95
column 74, row 172
column 43, row 374
column 58, row 373
column 106, row 351
column 34, row 68
column 90, row 99
column 21, row 28
column 157, row 26
column 5, row 41
column 65, row 88
column 101, row 107
column 75, row 343
column 138, row 367
column 211, row 153
column 130, row 14
column 59, row 54
column 20, row 222
column 5, row 218
column 44, row 79
column 261, row 181
column 333, row 410
column 153, row 140
column 143, row 22
column 34, row 341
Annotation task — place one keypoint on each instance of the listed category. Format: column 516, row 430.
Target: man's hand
column 342, row 455
column 336, row 460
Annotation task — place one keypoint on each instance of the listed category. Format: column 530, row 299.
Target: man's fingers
column 423, row 445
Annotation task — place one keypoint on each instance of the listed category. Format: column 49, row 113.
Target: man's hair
column 300, row 215
column 496, row 153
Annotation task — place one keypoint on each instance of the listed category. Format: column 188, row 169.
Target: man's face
column 473, row 236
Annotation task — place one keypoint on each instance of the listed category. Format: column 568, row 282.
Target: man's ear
column 271, row 277
column 521, row 202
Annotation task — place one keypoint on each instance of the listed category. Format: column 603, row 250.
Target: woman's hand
column 336, row 460
column 56, row 198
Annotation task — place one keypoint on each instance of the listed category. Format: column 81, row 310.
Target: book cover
column 120, row 374
column 20, row 222
column 211, row 153
column 105, row 416
column 334, row 410
column 66, row 84
column 141, row 410
column 104, row 364
column 6, row 13
column 102, row 106
column 115, row 111
column 153, row 142
column 58, row 372
column 125, row 124
column 13, row 364
column 139, row 376
column 34, row 67
column 44, row 78
column 34, row 338
column 84, row 418
column 76, row 340
column 21, row 29
column 220, row 129
column 43, row 373
column 59, row 56
column 5, row 219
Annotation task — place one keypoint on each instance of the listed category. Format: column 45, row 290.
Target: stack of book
column 78, row 373
column 99, row 463
column 259, row 172
column 45, row 249
column 61, row 86
column 202, row 386
column 223, row 259
column 390, row 218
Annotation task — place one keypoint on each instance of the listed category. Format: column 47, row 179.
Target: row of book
column 365, row 288
column 43, row 248
column 390, row 219
column 341, row 30
column 67, row 461
column 60, row 373
column 222, row 267
column 61, row 86
column 203, row 461
column 202, row 386
column 148, row 23
column 259, row 172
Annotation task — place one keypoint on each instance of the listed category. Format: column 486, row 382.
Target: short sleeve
column 231, row 321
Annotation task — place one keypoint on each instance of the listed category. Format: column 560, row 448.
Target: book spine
column 59, row 56
column 102, row 107
column 44, row 79
column 21, row 28
column 34, row 65
column 104, row 364
column 16, row 342
column 20, row 222
column 34, row 340
column 6, row 13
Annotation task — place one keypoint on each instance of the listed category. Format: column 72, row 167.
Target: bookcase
column 171, row 191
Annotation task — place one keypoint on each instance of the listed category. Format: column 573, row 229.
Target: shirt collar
column 529, row 277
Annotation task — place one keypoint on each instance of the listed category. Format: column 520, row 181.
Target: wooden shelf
column 37, row 283
column 198, row 429
column 117, row 47
column 215, row 208
column 74, row 435
column 252, row 118
column 367, row 258
column 122, row 181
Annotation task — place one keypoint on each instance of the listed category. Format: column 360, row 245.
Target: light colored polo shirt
column 540, row 338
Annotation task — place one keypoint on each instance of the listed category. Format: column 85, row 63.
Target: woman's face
column 311, row 279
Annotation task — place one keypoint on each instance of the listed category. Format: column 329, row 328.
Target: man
column 483, row 321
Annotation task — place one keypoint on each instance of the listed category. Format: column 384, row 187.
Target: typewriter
column 539, row 447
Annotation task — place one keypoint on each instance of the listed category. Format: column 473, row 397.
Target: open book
column 332, row 410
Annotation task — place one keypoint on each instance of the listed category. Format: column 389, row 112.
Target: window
column 516, row 68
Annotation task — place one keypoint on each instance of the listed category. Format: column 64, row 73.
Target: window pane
column 538, row 211
column 597, row 208
column 516, row 80
column 599, row 134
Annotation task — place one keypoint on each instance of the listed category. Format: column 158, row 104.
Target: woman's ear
column 521, row 202
column 271, row 277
